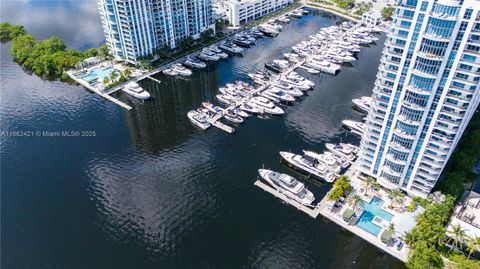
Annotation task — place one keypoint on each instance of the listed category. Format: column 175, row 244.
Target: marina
column 324, row 52
column 151, row 188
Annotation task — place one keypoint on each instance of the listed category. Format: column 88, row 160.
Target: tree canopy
column 387, row 12
column 47, row 57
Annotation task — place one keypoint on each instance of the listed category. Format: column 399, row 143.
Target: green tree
column 391, row 227
column 387, row 12
column 473, row 244
column 369, row 183
column 456, row 236
column 397, row 196
column 424, row 257
column 355, row 200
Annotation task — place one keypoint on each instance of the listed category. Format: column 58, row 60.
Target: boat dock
column 105, row 95
column 311, row 212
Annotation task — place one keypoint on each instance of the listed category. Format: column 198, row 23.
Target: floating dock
column 311, row 212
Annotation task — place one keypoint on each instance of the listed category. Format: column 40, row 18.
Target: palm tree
column 396, row 195
column 473, row 244
column 457, row 235
column 391, row 227
column 355, row 200
column 369, row 182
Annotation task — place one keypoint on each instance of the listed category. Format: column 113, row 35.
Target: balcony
column 386, row 183
column 404, row 119
column 429, row 56
column 443, row 16
column 392, row 159
column 399, row 147
column 435, row 37
column 424, row 173
column 423, row 74
column 425, row 182
column 421, row 187
column 404, row 134
column 432, row 163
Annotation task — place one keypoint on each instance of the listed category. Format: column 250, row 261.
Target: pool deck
column 336, row 217
column 98, row 91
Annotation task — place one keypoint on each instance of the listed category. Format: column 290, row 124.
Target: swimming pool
column 372, row 210
column 97, row 72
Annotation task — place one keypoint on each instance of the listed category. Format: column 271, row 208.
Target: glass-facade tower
column 137, row 28
column 426, row 91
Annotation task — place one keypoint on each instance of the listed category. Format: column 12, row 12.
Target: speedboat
column 136, row 91
column 194, row 63
column 289, row 186
column 342, row 161
column 309, row 165
column 233, row 117
column 362, row 103
column 294, row 75
column 212, row 108
column 274, row 66
column 263, row 104
column 199, row 119
column 326, row 158
column 355, row 127
column 341, row 149
column 218, row 52
column 181, row 70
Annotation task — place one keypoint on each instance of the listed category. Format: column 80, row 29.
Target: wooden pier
column 311, row 212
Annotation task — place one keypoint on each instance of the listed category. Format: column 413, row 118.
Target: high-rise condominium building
column 426, row 92
column 136, row 28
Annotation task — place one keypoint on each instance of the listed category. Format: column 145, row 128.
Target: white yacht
column 136, row 91
column 181, row 70
column 295, row 75
column 194, row 63
column 279, row 94
column 226, row 98
column 296, row 83
column 362, row 103
column 289, row 186
column 309, row 165
column 292, row 92
column 230, row 47
column 263, row 104
column 326, row 158
column 241, row 113
column 356, row 127
column 212, row 108
column 199, row 119
column 233, row 117
column 324, row 66
column 250, row 109
column 170, row 72
column 341, row 149
column 218, row 52
column 208, row 55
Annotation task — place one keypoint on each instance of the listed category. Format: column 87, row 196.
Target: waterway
column 146, row 189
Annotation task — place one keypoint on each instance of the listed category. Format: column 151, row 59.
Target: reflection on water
column 151, row 190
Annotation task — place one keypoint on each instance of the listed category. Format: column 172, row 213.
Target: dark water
column 150, row 190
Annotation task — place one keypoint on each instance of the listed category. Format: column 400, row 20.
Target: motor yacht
column 241, row 113
column 218, row 52
column 326, row 158
column 181, row 70
column 354, row 126
column 136, row 91
column 295, row 83
column 341, row 149
column 362, row 103
column 194, row 63
column 226, row 98
column 289, row 186
column 233, row 117
column 309, row 165
column 291, row 91
column 208, row 55
column 198, row 119
column 170, row 72
column 212, row 108
column 231, row 48
column 279, row 95
column 250, row 109
column 263, row 104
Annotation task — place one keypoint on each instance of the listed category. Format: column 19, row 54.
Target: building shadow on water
column 161, row 121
